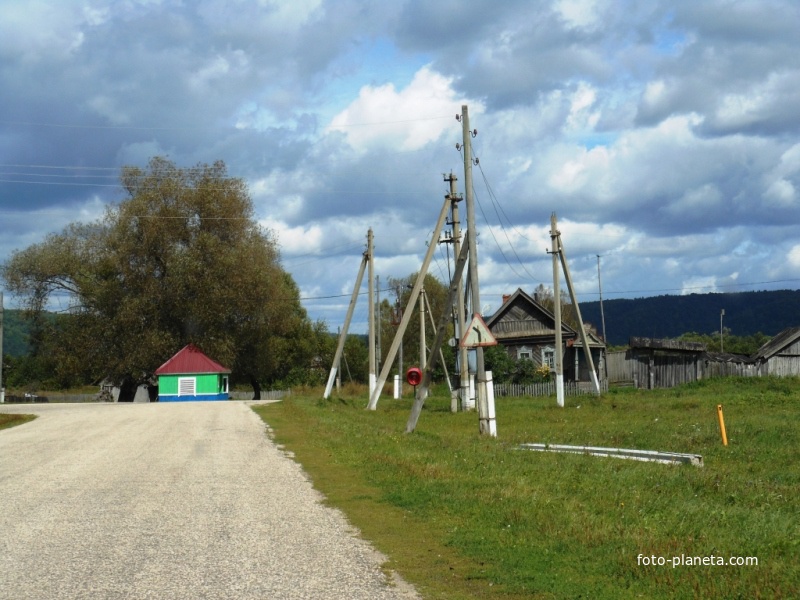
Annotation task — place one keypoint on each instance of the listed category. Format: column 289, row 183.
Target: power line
column 503, row 254
column 195, row 128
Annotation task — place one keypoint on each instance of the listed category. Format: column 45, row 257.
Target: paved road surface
column 184, row 500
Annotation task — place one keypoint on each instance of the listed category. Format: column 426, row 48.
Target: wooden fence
column 648, row 369
column 265, row 395
column 548, row 388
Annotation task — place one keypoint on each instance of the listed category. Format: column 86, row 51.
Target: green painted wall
column 210, row 383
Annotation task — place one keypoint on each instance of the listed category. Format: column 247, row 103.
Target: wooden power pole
column 461, row 318
column 475, row 293
column 367, row 258
column 554, row 234
column 371, row 303
column 573, row 296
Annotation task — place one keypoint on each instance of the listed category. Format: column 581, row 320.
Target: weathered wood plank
column 661, row 344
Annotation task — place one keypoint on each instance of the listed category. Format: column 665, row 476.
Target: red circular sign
column 414, row 376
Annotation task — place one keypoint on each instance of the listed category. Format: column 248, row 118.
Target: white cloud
column 581, row 14
column 664, row 136
column 375, row 119
column 695, row 285
column 794, row 256
column 781, row 194
column 35, row 30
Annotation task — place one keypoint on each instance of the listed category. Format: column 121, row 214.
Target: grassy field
column 466, row 516
column 7, row 420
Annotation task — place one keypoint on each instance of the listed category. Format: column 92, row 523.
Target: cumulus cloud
column 373, row 120
column 663, row 134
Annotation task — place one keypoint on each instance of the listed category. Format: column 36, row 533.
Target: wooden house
column 191, row 375
column 781, row 355
column 526, row 330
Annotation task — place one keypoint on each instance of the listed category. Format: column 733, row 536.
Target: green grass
column 7, row 420
column 463, row 516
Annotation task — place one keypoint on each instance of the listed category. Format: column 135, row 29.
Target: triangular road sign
column 477, row 334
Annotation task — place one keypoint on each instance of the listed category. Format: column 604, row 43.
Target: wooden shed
column 191, row 375
column 781, row 355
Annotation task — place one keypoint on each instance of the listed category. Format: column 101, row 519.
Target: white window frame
column 524, row 353
column 549, row 357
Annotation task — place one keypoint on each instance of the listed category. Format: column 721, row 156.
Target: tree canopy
column 180, row 260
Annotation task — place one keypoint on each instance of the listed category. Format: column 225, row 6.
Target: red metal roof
column 190, row 360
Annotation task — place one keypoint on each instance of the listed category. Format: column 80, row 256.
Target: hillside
column 746, row 313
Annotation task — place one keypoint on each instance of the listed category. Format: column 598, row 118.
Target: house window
column 549, row 357
column 524, row 353
column 186, row 386
column 224, row 384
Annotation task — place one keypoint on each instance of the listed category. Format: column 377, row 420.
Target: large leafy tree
column 180, row 260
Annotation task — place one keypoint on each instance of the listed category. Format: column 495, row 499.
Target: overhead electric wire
column 195, row 128
column 503, row 254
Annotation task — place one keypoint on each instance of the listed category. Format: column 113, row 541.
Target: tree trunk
column 152, row 393
column 256, row 389
column 127, row 390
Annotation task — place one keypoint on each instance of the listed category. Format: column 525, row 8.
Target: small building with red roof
column 191, row 375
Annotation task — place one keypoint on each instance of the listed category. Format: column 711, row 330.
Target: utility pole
column 343, row 335
column 423, row 349
column 587, row 351
column 399, row 319
column 475, row 294
column 371, row 334
column 378, row 357
column 602, row 318
column 461, row 318
column 441, row 354
column 554, row 233
column 600, row 288
column 721, row 341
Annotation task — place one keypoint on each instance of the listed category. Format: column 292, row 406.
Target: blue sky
column 664, row 135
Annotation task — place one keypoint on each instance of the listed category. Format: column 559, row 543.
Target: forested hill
column 746, row 313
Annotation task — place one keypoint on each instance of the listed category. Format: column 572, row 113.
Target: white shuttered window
column 186, row 386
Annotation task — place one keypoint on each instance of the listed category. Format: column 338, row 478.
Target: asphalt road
column 183, row 500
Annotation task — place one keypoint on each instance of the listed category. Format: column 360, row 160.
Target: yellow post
column 722, row 425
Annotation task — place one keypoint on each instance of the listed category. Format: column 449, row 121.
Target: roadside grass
column 7, row 420
column 466, row 516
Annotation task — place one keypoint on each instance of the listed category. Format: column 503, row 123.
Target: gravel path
column 185, row 500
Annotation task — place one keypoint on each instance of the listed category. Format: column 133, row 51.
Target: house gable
column 521, row 317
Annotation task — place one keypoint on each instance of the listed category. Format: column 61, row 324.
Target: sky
column 665, row 135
